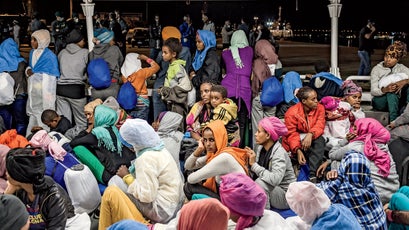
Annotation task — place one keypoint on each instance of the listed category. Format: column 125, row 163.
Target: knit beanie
column 26, row 165
column 13, row 214
column 104, row 35
column 91, row 105
column 74, row 36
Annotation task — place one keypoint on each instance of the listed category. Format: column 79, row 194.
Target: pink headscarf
column 371, row 132
column 41, row 140
column 274, row 127
column 330, row 103
column 350, row 88
column 243, row 196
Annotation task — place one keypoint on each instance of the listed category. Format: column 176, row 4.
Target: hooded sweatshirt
column 110, row 54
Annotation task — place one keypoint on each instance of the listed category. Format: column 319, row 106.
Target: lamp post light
column 88, row 8
column 334, row 12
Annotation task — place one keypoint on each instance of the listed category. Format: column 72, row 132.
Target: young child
column 56, row 122
column 353, row 95
column 226, row 110
column 177, row 84
column 133, row 72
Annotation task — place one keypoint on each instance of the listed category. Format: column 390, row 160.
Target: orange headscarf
column 13, row 140
column 220, row 138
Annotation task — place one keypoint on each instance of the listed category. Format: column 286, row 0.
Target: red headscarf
column 220, row 137
column 13, row 140
column 371, row 132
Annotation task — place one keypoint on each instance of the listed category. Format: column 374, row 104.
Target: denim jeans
column 20, row 115
column 365, row 64
column 158, row 104
column 141, row 112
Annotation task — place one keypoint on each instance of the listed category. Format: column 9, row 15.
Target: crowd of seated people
column 241, row 170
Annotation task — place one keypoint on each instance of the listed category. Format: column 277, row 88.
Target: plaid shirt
column 354, row 188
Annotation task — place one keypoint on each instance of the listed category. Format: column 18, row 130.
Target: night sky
column 311, row 14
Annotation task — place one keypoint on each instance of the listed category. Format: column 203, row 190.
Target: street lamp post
column 334, row 12
column 88, row 8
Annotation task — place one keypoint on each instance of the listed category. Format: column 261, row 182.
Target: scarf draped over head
column 291, row 83
column 168, row 124
column 206, row 213
column 274, row 127
column 138, row 133
column 209, row 41
column 91, row 105
column 9, row 56
column 307, row 200
column 350, row 88
column 221, row 140
column 41, row 140
column 264, row 55
column 243, row 196
column 43, row 38
column 397, row 50
column 105, row 117
column 238, row 40
column 131, row 64
column 47, row 62
column 371, row 132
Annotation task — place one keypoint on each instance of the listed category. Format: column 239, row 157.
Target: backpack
column 6, row 89
column 99, row 74
column 272, row 92
column 127, row 96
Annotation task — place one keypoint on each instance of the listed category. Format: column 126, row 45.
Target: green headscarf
column 106, row 117
column 238, row 40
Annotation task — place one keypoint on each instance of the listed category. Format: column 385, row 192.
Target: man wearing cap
column 366, row 47
column 59, row 30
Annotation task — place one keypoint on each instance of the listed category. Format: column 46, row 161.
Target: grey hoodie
column 73, row 65
column 110, row 54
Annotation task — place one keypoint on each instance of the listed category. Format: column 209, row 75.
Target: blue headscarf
column 9, row 56
column 106, row 117
column 209, row 41
column 291, row 82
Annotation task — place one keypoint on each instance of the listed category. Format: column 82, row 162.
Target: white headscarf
column 43, row 39
column 138, row 133
column 131, row 64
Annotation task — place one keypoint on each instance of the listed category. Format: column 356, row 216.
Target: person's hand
column 301, row 157
column 400, row 84
column 11, row 189
column 192, row 75
column 306, row 142
column 332, row 175
column 391, row 125
column 35, row 129
column 321, row 169
column 30, row 72
column 200, row 148
column 122, row 171
column 390, row 88
column 195, row 135
column 142, row 57
column 350, row 136
column 251, row 154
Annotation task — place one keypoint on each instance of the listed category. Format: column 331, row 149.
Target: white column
column 334, row 12
column 88, row 8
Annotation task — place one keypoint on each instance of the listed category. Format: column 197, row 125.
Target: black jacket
column 55, row 204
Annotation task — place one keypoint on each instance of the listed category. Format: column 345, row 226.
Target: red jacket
column 296, row 123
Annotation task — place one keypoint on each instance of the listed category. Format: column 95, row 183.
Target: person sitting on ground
column 353, row 187
column 397, row 210
column 133, row 72
column 112, row 103
column 219, row 160
column 305, row 122
column 314, row 208
column 271, row 167
column 155, row 188
column 369, row 137
column 246, row 201
column 48, row 204
column 56, row 122
column 353, row 95
column 13, row 214
column 394, row 96
column 4, row 149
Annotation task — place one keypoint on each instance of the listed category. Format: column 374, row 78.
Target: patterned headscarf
column 350, row 88
column 371, row 132
column 206, row 213
column 396, row 50
column 274, row 127
column 209, row 41
column 238, row 40
column 105, row 117
column 243, row 196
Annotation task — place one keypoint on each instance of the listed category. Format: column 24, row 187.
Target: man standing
column 188, row 33
column 59, row 30
column 208, row 24
column 124, row 31
column 155, row 35
column 16, row 32
column 366, row 47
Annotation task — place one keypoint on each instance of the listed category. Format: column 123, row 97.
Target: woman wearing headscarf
column 4, row 149
column 369, row 137
column 353, row 95
column 394, row 96
column 353, row 187
column 397, row 210
column 314, row 208
column 42, row 74
column 238, row 63
column 47, row 203
column 13, row 63
column 217, row 161
column 265, row 65
column 206, row 62
column 246, row 201
column 305, row 122
column 155, row 189
column 271, row 167
column 169, row 122
column 105, row 48
column 104, row 143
